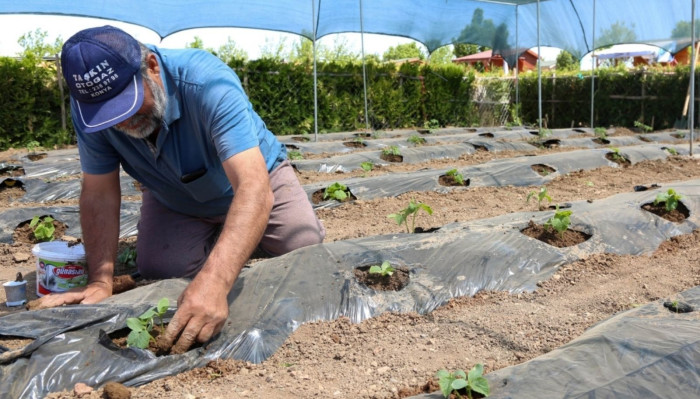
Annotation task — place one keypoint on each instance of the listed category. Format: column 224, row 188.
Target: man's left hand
column 202, row 311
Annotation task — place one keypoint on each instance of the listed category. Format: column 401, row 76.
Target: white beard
column 144, row 125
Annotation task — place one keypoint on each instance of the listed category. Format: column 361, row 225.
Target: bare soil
column 397, row 355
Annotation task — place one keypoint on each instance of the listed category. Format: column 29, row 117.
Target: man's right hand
column 92, row 293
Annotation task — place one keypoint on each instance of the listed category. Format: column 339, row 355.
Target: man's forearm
column 99, row 220
column 245, row 224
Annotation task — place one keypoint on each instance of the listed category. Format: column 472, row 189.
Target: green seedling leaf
column 336, row 191
column 127, row 257
column 670, row 199
column 456, row 176
column 541, row 196
column 43, row 228
column 141, row 326
column 367, row 166
column 411, row 210
column 385, row 269
column 560, row 221
column 391, row 150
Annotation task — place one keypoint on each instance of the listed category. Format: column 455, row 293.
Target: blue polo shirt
column 208, row 120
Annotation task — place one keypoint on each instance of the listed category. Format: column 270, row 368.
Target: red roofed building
column 526, row 62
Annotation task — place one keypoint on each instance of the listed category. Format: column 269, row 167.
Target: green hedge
column 30, row 104
column 653, row 97
column 398, row 97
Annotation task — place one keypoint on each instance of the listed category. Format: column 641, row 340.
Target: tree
column 617, row 33
column 442, row 55
column 339, row 53
column 484, row 33
column 34, row 45
column 275, row 50
column 682, row 29
column 566, row 61
column 229, row 51
column 402, row 51
column 462, row 49
column 199, row 43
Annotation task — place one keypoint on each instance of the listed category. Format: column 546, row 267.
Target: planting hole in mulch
column 480, row 148
column 37, row 156
column 391, row 157
column 645, row 139
column 363, row 135
column 424, row 131
column 618, row 159
column 678, row 307
column 599, row 140
column 569, row 238
column 354, row 144
column 678, row 135
column 292, row 147
column 12, row 171
column 24, row 233
column 450, row 181
column 489, row 135
column 645, row 188
column 394, row 282
column 542, row 169
column 551, row 143
column 534, row 132
column 317, row 197
column 303, row 139
column 677, row 215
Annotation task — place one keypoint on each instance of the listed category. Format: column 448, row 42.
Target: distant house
column 527, row 61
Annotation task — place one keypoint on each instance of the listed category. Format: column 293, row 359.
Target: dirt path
column 396, row 355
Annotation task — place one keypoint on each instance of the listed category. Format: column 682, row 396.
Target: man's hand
column 201, row 313
column 92, row 293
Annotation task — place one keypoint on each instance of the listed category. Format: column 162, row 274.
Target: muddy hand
column 199, row 317
column 86, row 295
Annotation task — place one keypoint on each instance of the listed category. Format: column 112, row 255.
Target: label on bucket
column 54, row 276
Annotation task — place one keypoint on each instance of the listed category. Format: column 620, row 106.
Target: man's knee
column 297, row 237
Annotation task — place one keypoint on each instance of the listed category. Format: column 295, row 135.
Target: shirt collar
column 172, row 111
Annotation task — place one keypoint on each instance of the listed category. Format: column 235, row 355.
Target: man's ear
column 153, row 68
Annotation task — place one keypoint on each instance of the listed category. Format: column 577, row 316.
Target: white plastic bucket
column 59, row 267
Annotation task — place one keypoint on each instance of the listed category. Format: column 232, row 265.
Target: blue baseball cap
column 101, row 66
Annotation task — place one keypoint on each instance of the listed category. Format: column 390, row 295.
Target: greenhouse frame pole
column 517, row 66
column 539, row 70
column 364, row 69
column 313, row 24
column 691, row 109
column 593, row 71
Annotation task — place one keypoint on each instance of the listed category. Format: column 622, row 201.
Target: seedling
column 670, row 198
column 431, row 124
column 127, row 257
column 294, row 154
column 367, row 166
column 671, row 151
column 392, row 150
column 458, row 178
column 544, row 133
column 643, row 127
column 142, row 326
column 32, row 145
column 43, row 228
column 541, row 196
column 377, row 134
column 416, row 140
column 384, row 270
column 616, row 155
column 560, row 221
column 453, row 382
column 600, row 132
column 359, row 140
column 336, row 191
column 412, row 209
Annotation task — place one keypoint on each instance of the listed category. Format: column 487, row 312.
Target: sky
column 250, row 40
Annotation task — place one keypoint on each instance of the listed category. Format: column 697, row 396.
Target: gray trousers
column 171, row 244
